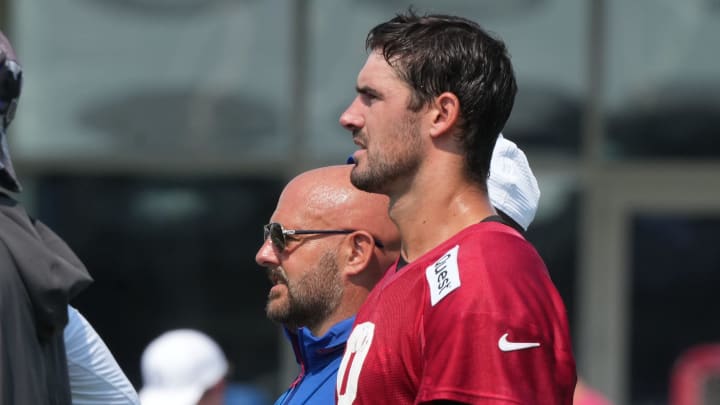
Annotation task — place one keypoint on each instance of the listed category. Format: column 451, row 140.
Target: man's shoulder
column 476, row 263
column 496, row 244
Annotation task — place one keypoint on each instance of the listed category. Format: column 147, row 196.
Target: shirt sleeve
column 95, row 376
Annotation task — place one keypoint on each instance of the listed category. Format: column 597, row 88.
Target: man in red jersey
column 469, row 313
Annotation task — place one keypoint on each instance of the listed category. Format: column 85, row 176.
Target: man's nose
column 351, row 119
column 266, row 255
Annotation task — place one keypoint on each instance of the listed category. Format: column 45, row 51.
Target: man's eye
column 368, row 97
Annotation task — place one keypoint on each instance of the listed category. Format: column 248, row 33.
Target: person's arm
column 95, row 376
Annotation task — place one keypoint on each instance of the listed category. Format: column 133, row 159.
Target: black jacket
column 39, row 274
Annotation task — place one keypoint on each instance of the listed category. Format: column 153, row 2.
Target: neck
column 437, row 205
column 350, row 304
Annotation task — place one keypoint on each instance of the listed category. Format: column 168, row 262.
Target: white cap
column 179, row 366
column 511, row 185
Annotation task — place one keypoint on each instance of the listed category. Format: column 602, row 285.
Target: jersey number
column 357, row 348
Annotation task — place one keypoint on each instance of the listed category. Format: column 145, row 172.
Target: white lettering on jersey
column 357, row 348
column 443, row 276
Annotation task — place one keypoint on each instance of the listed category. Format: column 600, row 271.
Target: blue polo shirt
column 319, row 359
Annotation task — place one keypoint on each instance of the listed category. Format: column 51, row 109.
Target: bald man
column 328, row 244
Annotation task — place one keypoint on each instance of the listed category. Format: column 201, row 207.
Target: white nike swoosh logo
column 506, row 346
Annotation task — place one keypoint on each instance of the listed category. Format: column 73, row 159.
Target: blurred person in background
column 319, row 284
column 586, row 395
column 44, row 361
column 469, row 312
column 183, row 367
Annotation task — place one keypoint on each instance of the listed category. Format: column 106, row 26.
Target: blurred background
column 155, row 137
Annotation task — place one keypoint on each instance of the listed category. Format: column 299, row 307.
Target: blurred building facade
column 155, row 136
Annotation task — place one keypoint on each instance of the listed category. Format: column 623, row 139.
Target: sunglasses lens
column 266, row 232
column 275, row 232
column 10, row 83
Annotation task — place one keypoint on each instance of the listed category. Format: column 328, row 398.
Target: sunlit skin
column 421, row 170
column 320, row 280
column 387, row 133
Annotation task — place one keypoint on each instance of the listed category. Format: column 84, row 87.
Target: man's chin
column 360, row 178
column 368, row 184
column 276, row 313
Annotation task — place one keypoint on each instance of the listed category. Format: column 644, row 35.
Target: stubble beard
column 309, row 300
column 383, row 168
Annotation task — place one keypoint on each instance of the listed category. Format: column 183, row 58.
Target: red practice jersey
column 476, row 320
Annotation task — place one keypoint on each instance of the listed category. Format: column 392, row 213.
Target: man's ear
column 445, row 112
column 360, row 252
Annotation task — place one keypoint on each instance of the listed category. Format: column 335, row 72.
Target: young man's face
column 388, row 133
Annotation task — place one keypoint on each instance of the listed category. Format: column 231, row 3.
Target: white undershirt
column 95, row 376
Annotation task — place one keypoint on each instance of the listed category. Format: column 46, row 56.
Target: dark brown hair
column 441, row 53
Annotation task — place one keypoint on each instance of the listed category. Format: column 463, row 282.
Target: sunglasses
column 10, row 84
column 278, row 234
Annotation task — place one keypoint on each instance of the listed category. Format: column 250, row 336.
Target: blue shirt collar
column 316, row 352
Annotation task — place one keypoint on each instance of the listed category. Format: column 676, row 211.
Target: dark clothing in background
column 39, row 274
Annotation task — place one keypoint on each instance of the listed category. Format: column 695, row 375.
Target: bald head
column 321, row 278
column 326, row 197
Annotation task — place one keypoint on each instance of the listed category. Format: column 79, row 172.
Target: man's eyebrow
column 368, row 91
